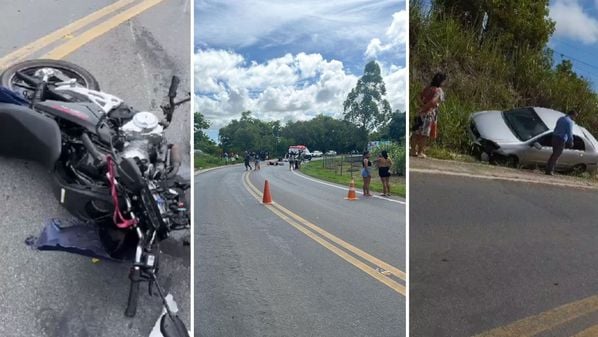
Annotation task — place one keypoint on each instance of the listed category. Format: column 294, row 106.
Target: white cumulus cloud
column 290, row 87
column 573, row 22
column 394, row 39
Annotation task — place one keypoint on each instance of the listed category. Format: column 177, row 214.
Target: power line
column 592, row 74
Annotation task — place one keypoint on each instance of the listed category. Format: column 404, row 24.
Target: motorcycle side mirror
column 174, row 85
column 537, row 146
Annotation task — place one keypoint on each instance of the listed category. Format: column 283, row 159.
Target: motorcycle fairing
column 27, row 134
column 86, row 115
column 9, row 96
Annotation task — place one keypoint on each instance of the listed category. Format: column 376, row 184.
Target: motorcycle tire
column 133, row 295
column 84, row 77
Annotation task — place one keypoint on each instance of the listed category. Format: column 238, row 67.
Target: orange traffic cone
column 352, row 195
column 267, row 199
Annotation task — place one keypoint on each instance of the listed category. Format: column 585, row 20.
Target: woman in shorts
column 384, row 163
column 366, row 174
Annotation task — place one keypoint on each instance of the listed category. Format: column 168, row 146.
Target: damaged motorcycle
column 112, row 166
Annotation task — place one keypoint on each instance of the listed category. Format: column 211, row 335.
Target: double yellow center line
column 77, row 40
column 378, row 269
column 559, row 316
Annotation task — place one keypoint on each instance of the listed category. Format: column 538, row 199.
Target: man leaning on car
column 563, row 134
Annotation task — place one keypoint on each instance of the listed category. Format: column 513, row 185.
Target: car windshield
column 524, row 123
column 590, row 137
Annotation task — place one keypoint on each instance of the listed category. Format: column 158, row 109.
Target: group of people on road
column 230, row 157
column 383, row 163
column 254, row 158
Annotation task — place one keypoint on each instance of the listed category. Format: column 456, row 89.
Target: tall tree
column 201, row 140
column 520, row 23
column 365, row 105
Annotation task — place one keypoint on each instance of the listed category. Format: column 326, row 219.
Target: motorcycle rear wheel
column 30, row 67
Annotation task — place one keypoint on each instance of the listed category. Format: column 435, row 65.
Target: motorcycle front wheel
column 63, row 71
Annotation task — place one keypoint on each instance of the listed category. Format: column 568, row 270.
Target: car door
column 574, row 155
column 538, row 155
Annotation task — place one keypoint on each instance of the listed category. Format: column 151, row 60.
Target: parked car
column 316, row 154
column 331, row 153
column 523, row 137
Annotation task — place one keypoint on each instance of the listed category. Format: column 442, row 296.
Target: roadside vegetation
column 342, row 169
column 496, row 56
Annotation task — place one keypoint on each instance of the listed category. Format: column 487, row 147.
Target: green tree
column 517, row 23
column 201, row 140
column 397, row 126
column 365, row 105
column 250, row 134
column 325, row 133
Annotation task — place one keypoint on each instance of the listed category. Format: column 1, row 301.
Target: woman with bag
column 426, row 123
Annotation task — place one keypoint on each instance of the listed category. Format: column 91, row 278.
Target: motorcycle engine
column 144, row 137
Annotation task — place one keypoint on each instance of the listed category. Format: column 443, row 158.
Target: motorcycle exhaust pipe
column 175, row 160
column 93, row 150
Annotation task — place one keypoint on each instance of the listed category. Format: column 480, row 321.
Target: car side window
column 578, row 144
column 546, row 140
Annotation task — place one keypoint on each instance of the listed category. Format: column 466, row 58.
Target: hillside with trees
column 496, row 56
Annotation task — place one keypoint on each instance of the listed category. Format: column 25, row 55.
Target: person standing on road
column 384, row 163
column 256, row 165
column 246, row 160
column 365, row 173
column 425, row 127
column 562, row 135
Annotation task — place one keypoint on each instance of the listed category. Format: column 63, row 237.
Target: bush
column 397, row 154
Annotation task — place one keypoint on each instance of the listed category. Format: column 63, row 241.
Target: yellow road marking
column 78, row 41
column 280, row 211
column 545, row 321
column 65, row 31
column 397, row 272
column 590, row 332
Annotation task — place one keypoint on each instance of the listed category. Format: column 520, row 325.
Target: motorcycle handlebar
column 174, row 85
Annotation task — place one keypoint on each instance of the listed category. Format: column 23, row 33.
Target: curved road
column 55, row 294
column 502, row 259
column 293, row 268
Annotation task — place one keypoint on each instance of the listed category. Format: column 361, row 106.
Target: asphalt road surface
column 268, row 271
column 57, row 294
column 499, row 258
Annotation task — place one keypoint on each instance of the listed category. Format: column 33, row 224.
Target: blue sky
column 293, row 60
column 576, row 35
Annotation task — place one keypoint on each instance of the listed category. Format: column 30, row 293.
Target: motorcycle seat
column 27, row 134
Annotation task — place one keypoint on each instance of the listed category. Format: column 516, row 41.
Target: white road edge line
column 343, row 188
column 519, row 180
column 198, row 172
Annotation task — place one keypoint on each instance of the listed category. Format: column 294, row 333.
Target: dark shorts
column 384, row 172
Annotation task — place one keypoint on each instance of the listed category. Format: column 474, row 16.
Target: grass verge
column 316, row 170
column 203, row 161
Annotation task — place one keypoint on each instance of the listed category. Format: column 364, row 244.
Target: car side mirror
column 537, row 146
